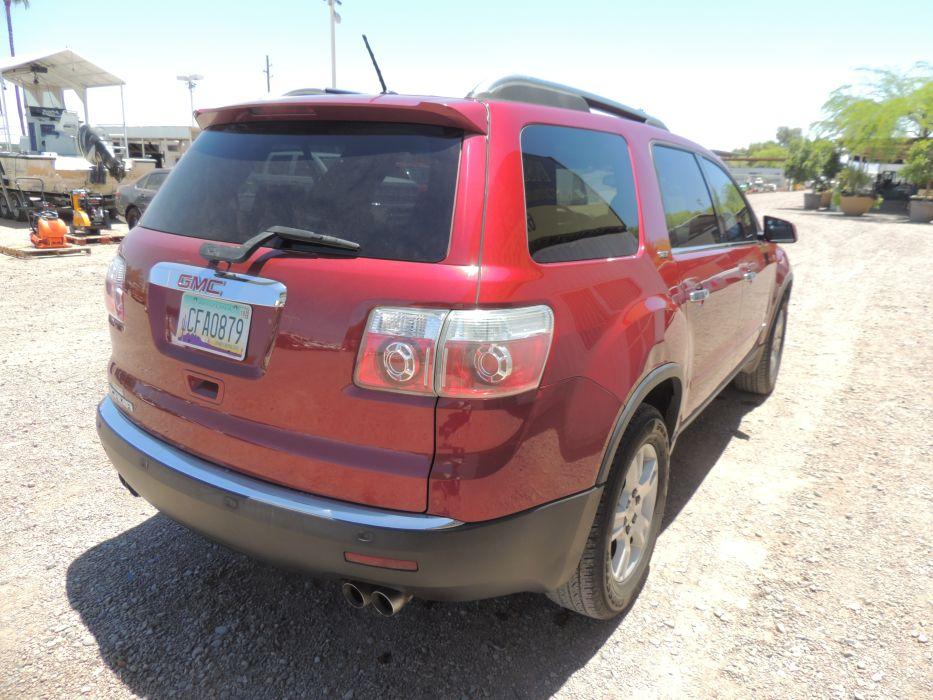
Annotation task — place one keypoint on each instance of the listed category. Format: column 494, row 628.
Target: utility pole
column 268, row 73
column 334, row 21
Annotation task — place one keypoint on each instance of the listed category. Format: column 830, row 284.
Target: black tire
column 132, row 217
column 762, row 378
column 19, row 209
column 592, row 589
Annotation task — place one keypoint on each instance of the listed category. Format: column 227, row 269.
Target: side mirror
column 779, row 230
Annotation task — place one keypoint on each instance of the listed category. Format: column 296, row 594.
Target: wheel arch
column 662, row 388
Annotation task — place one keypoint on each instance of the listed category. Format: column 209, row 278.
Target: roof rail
column 522, row 88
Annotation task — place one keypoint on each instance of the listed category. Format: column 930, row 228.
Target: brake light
column 398, row 350
column 115, row 288
column 471, row 354
column 494, row 352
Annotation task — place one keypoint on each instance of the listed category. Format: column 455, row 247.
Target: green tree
column 918, row 167
column 872, row 120
column 786, row 136
column 799, row 165
column 908, row 98
column 764, row 154
column 825, row 159
column 9, row 29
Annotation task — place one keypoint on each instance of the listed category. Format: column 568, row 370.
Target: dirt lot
column 796, row 558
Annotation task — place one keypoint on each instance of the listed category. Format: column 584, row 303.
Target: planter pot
column 826, row 198
column 811, row 200
column 855, row 206
column 921, row 210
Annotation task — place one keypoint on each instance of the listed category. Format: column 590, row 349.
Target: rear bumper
column 535, row 550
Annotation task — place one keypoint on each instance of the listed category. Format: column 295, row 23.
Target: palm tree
column 9, row 28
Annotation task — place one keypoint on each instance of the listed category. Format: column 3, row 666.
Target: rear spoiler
column 461, row 114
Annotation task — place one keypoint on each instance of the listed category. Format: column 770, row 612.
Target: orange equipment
column 48, row 231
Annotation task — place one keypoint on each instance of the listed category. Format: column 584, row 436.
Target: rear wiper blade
column 214, row 252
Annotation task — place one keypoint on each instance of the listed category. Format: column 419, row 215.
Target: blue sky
column 722, row 73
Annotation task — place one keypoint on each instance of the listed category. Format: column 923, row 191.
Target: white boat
column 57, row 148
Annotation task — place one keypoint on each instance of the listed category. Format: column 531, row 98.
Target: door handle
column 699, row 295
column 749, row 275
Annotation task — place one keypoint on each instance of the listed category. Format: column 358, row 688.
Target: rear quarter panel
column 615, row 320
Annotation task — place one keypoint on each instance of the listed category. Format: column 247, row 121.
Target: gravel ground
column 795, row 561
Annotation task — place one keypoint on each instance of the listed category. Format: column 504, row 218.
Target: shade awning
column 63, row 69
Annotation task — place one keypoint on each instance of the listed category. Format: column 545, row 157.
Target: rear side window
column 389, row 187
column 738, row 223
column 688, row 208
column 155, row 181
column 579, row 194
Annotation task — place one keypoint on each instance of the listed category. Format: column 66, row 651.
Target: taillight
column 115, row 288
column 494, row 352
column 470, row 354
column 399, row 349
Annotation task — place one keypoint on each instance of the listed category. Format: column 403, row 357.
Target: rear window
column 389, row 187
column 579, row 194
column 155, row 181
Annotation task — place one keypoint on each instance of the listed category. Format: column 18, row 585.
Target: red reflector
column 381, row 562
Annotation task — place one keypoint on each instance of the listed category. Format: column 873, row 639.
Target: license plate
column 214, row 325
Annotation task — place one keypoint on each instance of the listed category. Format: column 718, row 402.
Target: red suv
column 436, row 347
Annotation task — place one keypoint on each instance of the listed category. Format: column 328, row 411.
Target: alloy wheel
column 777, row 342
column 631, row 526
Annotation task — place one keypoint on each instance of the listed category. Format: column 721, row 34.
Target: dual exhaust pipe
column 385, row 601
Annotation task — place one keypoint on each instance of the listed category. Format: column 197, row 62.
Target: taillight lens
column 399, row 349
column 471, row 354
column 494, row 352
column 115, row 288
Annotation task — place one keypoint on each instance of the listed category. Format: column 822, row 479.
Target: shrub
column 918, row 168
column 854, row 182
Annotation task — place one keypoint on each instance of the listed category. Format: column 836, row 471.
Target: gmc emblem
column 206, row 285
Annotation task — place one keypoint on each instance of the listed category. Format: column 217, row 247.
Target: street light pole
column 192, row 82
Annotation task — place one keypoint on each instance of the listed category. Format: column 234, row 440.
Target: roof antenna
column 382, row 82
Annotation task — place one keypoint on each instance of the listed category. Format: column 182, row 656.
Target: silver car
column 133, row 199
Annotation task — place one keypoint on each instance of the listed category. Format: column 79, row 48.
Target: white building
column 769, row 176
column 164, row 144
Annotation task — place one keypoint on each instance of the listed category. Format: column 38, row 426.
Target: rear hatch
column 251, row 366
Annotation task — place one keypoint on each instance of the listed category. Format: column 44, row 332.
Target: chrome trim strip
column 256, row 291
column 711, row 246
column 261, row 491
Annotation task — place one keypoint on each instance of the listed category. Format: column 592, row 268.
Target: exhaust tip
column 356, row 594
column 388, row 602
column 127, row 486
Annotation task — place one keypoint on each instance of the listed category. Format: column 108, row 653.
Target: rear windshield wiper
column 214, row 252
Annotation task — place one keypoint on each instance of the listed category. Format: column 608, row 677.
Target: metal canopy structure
column 55, row 72
column 63, row 69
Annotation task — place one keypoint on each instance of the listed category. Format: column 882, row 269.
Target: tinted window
column 691, row 220
column 738, row 224
column 389, row 187
column 579, row 194
column 155, row 181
